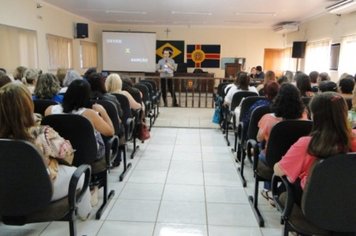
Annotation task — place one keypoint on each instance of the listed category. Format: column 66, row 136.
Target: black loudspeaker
column 82, row 30
column 299, row 49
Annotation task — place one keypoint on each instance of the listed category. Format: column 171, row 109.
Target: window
column 347, row 55
column 317, row 56
column 18, row 47
column 288, row 62
column 88, row 55
column 60, row 52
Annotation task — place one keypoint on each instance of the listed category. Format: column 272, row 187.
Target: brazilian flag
column 175, row 46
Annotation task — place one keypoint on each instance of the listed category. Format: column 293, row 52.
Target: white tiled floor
column 183, row 183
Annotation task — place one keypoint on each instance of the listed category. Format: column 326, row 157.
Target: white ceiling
column 237, row 13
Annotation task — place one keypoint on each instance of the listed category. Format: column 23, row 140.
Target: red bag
column 143, row 133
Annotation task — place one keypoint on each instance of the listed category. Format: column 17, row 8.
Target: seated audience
column 304, row 85
column 323, row 77
column 30, row 79
column 61, row 74
column 4, row 79
column 269, row 77
column 253, row 73
column 331, row 134
column 17, row 122
column 282, row 79
column 76, row 101
column 241, row 84
column 47, row 87
column 327, row 86
column 314, row 81
column 19, row 73
column 289, row 75
column 346, row 86
column 287, row 105
column 70, row 76
column 259, row 73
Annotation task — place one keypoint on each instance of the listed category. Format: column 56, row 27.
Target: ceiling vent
column 342, row 7
column 286, row 27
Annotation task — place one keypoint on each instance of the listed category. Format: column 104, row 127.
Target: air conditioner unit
column 286, row 28
column 342, row 7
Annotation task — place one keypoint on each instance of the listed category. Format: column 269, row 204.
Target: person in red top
column 331, row 135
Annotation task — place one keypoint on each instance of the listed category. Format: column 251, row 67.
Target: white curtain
column 18, row 47
column 60, row 52
column 317, row 56
column 347, row 63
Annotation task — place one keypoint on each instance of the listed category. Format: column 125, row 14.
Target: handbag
column 143, row 133
column 216, row 116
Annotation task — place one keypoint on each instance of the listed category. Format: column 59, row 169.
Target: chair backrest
column 42, row 104
column 247, row 103
column 256, row 115
column 125, row 106
column 25, row 186
column 283, row 135
column 329, row 198
column 79, row 131
column 112, row 113
column 152, row 83
column 146, row 96
column 349, row 103
column 221, row 88
column 238, row 96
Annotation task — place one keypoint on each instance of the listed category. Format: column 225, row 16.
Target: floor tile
column 149, row 177
column 180, row 230
column 142, row 191
column 115, row 228
column 233, row 231
column 187, row 193
column 89, row 228
column 182, row 212
column 185, row 177
column 222, row 179
column 187, row 165
column 134, row 210
column 155, row 165
column 28, row 230
column 225, row 194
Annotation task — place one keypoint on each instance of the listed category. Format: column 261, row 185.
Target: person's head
column 327, row 86
column 90, row 71
column 253, row 71
column 282, row 79
column 61, row 74
column 331, row 133
column 113, row 83
column 3, row 70
column 346, row 85
column 167, row 52
column 303, row 83
column 19, row 72
column 270, row 76
column 71, row 75
column 323, row 77
column 244, row 80
column 271, row 90
column 47, row 86
column 16, row 111
column 314, row 77
column 4, row 79
column 31, row 76
column 76, row 96
column 126, row 83
column 258, row 69
column 97, row 83
column 288, row 104
column 289, row 75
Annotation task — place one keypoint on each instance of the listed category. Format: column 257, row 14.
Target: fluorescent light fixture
column 204, row 13
column 342, row 7
column 126, row 12
column 255, row 13
column 134, row 21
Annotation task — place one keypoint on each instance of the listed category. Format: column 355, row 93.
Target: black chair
column 146, row 98
column 156, row 92
column 42, row 104
column 129, row 120
column 230, row 114
column 250, row 142
column 283, row 135
column 80, row 132
column 26, row 189
column 154, row 99
column 240, row 131
column 328, row 202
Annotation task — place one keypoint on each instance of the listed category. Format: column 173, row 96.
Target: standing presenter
column 166, row 67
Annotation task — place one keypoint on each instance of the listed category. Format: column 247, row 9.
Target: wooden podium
column 231, row 69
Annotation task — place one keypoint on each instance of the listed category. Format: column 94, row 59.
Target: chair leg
column 227, row 132
column 235, row 142
column 254, row 204
column 106, row 197
column 135, row 147
column 72, row 228
column 241, row 168
column 127, row 167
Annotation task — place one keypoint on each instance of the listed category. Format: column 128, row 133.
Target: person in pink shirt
column 331, row 135
column 287, row 105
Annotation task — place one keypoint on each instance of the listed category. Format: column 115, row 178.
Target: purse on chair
column 143, row 133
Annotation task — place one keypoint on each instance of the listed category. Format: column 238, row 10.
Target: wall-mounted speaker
column 82, row 30
column 299, row 49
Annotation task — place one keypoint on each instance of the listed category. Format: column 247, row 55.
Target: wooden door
column 273, row 60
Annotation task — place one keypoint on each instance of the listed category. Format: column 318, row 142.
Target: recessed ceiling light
column 191, row 13
column 255, row 13
column 125, row 12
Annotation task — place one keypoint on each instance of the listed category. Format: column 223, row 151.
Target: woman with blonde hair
column 270, row 76
column 47, row 87
column 17, row 122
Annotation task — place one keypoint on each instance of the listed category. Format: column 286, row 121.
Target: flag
column 203, row 56
column 175, row 46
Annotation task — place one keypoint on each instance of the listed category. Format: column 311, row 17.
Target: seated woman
column 331, row 135
column 47, row 87
column 76, row 101
column 286, row 105
column 270, row 76
column 113, row 84
column 303, row 83
column 70, row 76
column 17, row 122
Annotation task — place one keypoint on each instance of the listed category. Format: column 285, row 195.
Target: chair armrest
column 73, row 196
column 111, row 149
column 275, row 193
column 256, row 153
column 287, row 207
column 129, row 128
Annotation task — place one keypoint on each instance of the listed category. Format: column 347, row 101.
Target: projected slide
column 129, row 51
